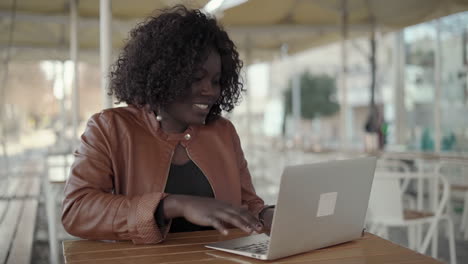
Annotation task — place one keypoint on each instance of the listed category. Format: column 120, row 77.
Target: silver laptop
column 319, row 205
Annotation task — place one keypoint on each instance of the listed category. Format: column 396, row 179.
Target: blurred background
column 325, row 79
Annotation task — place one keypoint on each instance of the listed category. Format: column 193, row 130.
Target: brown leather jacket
column 121, row 167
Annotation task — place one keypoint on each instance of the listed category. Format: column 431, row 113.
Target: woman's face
column 194, row 108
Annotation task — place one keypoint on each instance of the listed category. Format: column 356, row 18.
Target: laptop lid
column 320, row 204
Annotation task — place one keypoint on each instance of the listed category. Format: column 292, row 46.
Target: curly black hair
column 159, row 61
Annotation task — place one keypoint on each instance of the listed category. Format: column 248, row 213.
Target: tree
column 318, row 96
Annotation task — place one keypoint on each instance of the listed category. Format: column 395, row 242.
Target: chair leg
column 450, row 212
column 453, row 254
column 418, row 234
column 435, row 242
column 373, row 228
column 464, row 213
column 51, row 223
column 424, row 244
column 464, row 224
column 412, row 237
column 383, row 231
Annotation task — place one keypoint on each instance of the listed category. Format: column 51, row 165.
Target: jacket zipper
column 207, row 178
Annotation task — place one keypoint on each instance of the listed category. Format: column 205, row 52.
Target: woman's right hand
column 210, row 212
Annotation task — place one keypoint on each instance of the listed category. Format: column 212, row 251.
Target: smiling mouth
column 201, row 106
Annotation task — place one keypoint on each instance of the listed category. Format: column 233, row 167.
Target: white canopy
column 41, row 28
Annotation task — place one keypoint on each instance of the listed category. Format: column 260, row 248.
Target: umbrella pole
column 248, row 94
column 3, row 128
column 74, row 58
column 63, row 108
column 105, row 17
column 296, row 108
column 399, row 90
column 343, row 73
column 6, row 63
column 373, row 65
column 437, row 92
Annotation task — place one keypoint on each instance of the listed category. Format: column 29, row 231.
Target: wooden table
column 189, row 248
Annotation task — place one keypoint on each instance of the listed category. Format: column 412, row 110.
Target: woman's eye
column 198, row 76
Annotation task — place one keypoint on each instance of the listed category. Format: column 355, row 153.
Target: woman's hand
column 210, row 212
column 267, row 217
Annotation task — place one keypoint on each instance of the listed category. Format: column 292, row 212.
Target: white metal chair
column 58, row 165
column 386, row 210
column 457, row 174
column 394, row 165
column 464, row 223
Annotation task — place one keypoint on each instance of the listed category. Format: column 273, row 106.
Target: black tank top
column 186, row 179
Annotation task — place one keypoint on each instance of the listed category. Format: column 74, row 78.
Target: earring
column 158, row 115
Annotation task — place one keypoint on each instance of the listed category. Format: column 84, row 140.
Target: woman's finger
column 251, row 220
column 234, row 219
column 217, row 224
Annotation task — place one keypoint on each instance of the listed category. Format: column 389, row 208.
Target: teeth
column 201, row 106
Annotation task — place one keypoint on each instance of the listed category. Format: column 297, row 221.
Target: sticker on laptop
column 327, row 204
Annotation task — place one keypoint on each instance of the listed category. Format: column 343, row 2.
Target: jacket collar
column 155, row 127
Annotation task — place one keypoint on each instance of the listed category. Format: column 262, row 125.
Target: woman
column 168, row 162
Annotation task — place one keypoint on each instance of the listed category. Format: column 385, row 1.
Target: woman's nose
column 210, row 89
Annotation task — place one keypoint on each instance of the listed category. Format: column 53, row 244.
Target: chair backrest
column 393, row 165
column 58, row 166
column 385, row 202
column 386, row 199
column 455, row 171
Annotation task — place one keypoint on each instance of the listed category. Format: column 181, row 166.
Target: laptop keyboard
column 258, row 248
